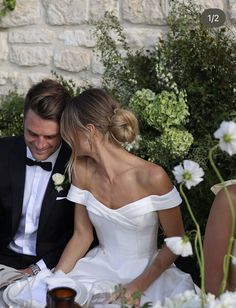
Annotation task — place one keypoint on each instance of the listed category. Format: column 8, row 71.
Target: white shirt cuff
column 41, row 264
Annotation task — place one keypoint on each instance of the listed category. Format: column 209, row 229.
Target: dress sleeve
column 166, row 201
column 77, row 195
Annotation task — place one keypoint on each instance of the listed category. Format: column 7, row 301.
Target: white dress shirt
column 36, row 181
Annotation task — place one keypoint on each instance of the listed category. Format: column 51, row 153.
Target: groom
column 36, row 221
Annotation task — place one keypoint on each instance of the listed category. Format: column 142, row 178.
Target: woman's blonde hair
column 95, row 106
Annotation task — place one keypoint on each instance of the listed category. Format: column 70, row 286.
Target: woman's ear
column 92, row 129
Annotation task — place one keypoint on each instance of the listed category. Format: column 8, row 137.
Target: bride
column 125, row 198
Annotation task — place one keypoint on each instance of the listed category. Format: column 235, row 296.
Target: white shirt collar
column 52, row 158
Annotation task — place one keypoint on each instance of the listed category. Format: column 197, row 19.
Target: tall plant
column 11, row 114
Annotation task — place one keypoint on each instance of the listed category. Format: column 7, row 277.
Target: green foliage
column 135, row 296
column 176, row 141
column 180, row 92
column 162, row 110
column 8, row 5
column 69, row 85
column 11, row 114
column 123, row 68
column 12, row 105
column 153, row 95
column 202, row 60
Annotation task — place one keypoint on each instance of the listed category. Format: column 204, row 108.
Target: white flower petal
column 192, row 169
column 179, row 246
column 178, row 173
column 227, row 128
column 233, row 260
column 58, row 178
column 59, row 188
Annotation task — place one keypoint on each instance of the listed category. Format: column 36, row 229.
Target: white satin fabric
column 127, row 244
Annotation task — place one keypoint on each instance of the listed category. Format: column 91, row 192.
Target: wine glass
column 103, row 295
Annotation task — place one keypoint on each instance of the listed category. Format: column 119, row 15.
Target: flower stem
column 198, row 239
column 227, row 258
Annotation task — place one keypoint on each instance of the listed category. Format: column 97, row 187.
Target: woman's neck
column 111, row 160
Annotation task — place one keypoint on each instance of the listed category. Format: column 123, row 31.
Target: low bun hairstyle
column 95, row 106
column 123, row 126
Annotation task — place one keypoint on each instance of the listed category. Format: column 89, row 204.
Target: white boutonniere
column 59, row 181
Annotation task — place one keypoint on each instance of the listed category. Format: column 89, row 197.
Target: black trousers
column 16, row 260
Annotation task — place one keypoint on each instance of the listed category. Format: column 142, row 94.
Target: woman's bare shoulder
column 82, row 171
column 155, row 178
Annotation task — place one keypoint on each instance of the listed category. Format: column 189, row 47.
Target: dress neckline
column 125, row 205
column 121, row 207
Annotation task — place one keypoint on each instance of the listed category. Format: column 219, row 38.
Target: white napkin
column 33, row 292
column 60, row 279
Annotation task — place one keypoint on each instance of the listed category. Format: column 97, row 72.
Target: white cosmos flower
column 226, row 133
column 227, row 299
column 190, row 173
column 179, row 245
column 233, row 260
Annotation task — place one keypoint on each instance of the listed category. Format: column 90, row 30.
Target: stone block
column 3, row 46
column 3, row 78
column 77, row 38
column 96, row 67
column 72, row 60
column 25, row 13
column 143, row 12
column 28, row 36
column 138, row 38
column 30, row 56
column 66, row 12
column 97, row 8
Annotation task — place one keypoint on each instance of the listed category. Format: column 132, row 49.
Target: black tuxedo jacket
column 56, row 220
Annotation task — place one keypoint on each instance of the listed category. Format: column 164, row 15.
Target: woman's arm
column 79, row 242
column 216, row 239
column 172, row 224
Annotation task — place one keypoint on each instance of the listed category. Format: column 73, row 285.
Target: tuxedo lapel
column 51, row 193
column 17, row 175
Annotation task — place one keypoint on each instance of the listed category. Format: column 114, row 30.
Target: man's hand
column 27, row 271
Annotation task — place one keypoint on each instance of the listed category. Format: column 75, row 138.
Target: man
column 36, row 221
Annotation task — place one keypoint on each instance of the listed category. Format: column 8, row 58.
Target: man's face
column 41, row 136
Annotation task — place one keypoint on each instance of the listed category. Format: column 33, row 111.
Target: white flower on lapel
column 58, row 180
column 226, row 134
column 190, row 173
column 179, row 245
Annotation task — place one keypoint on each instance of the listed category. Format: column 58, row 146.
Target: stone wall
column 41, row 36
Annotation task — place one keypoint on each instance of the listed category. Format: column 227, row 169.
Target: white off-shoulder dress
column 127, row 245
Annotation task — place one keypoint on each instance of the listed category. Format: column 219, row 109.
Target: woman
column 217, row 234
column 124, row 198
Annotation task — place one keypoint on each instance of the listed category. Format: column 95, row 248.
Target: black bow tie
column 45, row 165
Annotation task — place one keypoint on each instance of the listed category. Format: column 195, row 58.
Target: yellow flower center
column 227, row 138
column 187, row 176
